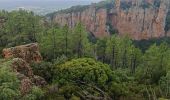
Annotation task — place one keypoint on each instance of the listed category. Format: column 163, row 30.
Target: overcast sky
column 9, row 4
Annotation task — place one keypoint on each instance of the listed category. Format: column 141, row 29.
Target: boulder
column 20, row 58
column 22, row 67
column 25, row 75
column 29, row 52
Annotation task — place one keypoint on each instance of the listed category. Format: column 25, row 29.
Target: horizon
column 11, row 4
column 42, row 7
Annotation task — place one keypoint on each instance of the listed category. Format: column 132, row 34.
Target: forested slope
column 76, row 65
column 139, row 19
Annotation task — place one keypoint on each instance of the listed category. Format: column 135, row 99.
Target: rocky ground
column 20, row 58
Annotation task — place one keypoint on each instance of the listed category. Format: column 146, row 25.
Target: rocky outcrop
column 139, row 19
column 21, row 57
column 142, row 20
column 93, row 19
column 29, row 52
column 25, row 75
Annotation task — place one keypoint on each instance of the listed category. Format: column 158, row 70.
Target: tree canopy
column 78, row 66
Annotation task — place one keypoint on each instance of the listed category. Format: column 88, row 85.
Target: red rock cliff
column 93, row 19
column 20, row 64
column 29, row 52
column 139, row 22
column 140, row 19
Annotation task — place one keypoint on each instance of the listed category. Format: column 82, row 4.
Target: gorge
column 139, row 19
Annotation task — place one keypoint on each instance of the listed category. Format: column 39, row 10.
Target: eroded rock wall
column 26, row 76
column 20, row 58
column 29, row 52
column 93, row 19
column 143, row 19
column 139, row 19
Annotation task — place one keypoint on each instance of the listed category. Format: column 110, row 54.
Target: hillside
column 43, row 60
column 41, row 7
column 139, row 19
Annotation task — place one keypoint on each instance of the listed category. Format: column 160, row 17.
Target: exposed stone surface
column 139, row 22
column 140, row 19
column 25, row 86
column 38, row 81
column 29, row 52
column 25, row 75
column 93, row 19
column 22, row 56
column 22, row 67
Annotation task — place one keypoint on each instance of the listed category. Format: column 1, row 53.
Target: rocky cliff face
column 93, row 19
column 21, row 57
column 140, row 19
column 26, row 76
column 29, row 52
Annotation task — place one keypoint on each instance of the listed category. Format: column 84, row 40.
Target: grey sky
column 6, row 4
column 42, row 6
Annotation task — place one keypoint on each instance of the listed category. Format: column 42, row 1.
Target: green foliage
column 85, row 74
column 9, row 84
column 52, row 43
column 60, row 60
column 122, row 54
column 107, row 4
column 75, row 9
column 61, row 41
column 78, row 8
column 85, row 70
column 157, row 3
column 155, row 63
column 47, row 44
column 126, row 5
column 145, row 44
column 130, row 73
column 18, row 27
column 162, row 99
column 44, row 69
column 101, row 49
column 111, row 30
column 35, row 94
column 145, row 5
column 167, row 25
column 80, row 43
column 164, row 84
